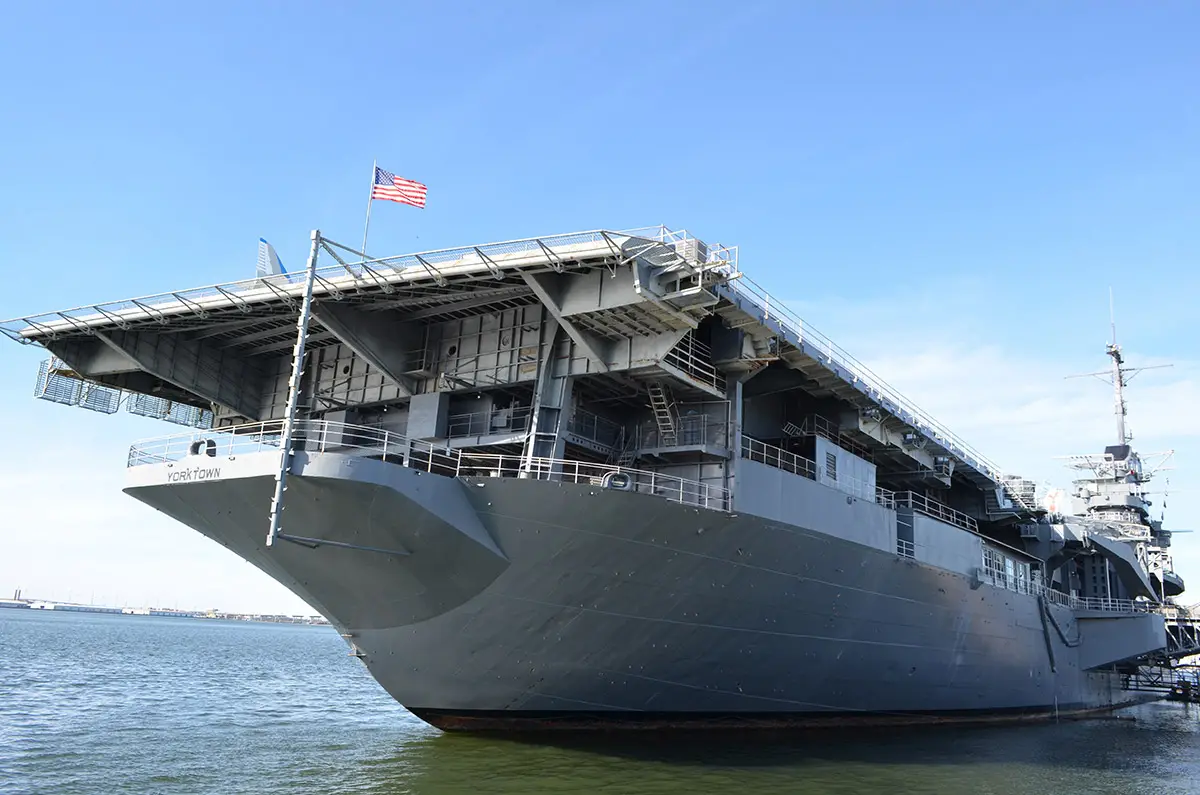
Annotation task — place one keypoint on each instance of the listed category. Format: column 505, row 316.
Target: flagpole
column 370, row 201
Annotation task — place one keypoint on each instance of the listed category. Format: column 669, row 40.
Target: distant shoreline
column 50, row 606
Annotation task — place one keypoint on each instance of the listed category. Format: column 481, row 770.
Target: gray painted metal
column 656, row 260
column 1122, row 556
column 220, row 377
column 523, row 596
column 293, row 398
column 373, row 338
column 873, row 562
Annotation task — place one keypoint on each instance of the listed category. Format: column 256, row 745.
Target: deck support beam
column 551, row 398
column 91, row 358
column 376, row 339
column 217, row 376
column 543, row 288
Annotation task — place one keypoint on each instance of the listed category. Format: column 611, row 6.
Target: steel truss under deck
column 689, row 280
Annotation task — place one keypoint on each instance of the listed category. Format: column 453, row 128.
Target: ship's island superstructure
column 604, row 479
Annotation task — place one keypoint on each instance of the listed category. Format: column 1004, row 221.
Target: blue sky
column 948, row 189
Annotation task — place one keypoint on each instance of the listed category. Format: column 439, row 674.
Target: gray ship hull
column 487, row 603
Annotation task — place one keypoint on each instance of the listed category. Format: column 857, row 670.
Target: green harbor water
column 112, row 704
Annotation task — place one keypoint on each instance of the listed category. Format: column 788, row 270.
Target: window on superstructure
column 831, row 466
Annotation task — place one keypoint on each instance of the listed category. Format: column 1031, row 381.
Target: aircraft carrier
column 603, row 479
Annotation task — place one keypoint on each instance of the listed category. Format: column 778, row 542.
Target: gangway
column 1174, row 683
column 1183, row 630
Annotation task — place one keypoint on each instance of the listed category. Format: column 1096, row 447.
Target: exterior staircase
column 663, row 407
column 1020, row 493
column 624, row 452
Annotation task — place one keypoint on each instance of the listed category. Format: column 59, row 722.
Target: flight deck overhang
column 223, row 331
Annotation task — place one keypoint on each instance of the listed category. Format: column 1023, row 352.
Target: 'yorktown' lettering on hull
column 193, row 474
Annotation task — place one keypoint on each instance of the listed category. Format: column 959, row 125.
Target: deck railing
column 830, row 353
column 1181, row 612
column 876, row 387
column 932, row 508
column 1118, row 605
column 694, row 358
column 336, row 437
column 777, row 457
column 994, row 573
column 485, row 423
column 601, row 430
column 690, row 430
column 826, row 428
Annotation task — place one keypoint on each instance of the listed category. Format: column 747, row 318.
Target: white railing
column 821, row 426
column 332, row 279
column 690, row 429
column 1007, row 571
column 885, row 497
column 1173, row 612
column 694, row 358
column 905, row 549
column 589, row 425
column 848, row 484
column 669, row 487
column 1112, row 605
column 857, row 372
column 777, row 457
column 1021, row 578
column 719, row 258
column 1054, row 597
column 486, row 423
column 935, row 509
column 336, row 437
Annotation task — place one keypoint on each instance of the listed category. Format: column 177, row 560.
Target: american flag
column 398, row 189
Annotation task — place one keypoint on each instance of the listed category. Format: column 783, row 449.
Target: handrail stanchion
column 416, row 454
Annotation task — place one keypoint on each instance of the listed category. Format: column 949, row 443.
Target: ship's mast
column 1118, row 376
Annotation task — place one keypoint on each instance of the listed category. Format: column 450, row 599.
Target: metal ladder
column 624, row 452
column 664, row 413
column 293, row 401
column 792, row 429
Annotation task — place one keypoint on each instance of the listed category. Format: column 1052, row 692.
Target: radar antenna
column 1117, row 376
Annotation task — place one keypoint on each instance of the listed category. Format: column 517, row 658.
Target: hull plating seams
column 528, row 600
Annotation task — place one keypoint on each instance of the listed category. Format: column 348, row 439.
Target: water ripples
column 115, row 704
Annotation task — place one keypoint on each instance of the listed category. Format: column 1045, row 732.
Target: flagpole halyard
column 370, row 201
